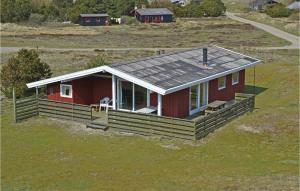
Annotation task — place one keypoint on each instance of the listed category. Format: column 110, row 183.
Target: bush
column 213, row 8
column 15, row 11
column 96, row 62
column 36, row 19
column 21, row 69
column 129, row 20
column 278, row 10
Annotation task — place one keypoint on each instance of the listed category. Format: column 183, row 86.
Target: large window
column 126, row 95
column 198, row 97
column 66, row 90
column 203, row 94
column 130, row 96
column 140, row 94
column 194, row 97
column 235, row 78
column 222, row 82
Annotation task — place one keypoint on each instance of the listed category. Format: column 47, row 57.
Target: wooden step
column 94, row 125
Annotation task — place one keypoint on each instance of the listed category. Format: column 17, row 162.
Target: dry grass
column 290, row 24
column 183, row 33
column 62, row 62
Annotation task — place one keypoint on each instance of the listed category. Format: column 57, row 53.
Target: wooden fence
column 63, row 110
column 136, row 122
column 209, row 123
column 25, row 108
column 179, row 128
column 151, row 125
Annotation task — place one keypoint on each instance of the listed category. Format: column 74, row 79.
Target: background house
column 154, row 15
column 258, row 5
column 93, row 19
column 295, row 5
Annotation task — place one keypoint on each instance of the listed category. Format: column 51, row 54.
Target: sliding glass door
column 198, row 97
column 140, row 95
column 130, row 96
column 194, row 97
column 125, row 95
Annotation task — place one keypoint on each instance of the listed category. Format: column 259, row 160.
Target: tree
column 213, row 8
column 21, row 69
column 15, row 10
column 278, row 10
column 96, row 62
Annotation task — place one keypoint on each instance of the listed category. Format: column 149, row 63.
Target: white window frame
column 61, row 92
column 224, row 86
column 238, row 78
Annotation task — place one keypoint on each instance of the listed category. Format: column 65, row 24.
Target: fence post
column 37, row 99
column 14, row 105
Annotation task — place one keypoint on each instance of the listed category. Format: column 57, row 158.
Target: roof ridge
column 159, row 56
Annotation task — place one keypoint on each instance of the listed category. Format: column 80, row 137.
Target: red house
column 176, row 84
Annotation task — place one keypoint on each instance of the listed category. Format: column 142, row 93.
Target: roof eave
column 65, row 77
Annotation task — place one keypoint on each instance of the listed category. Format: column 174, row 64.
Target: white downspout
column 114, row 104
column 159, row 104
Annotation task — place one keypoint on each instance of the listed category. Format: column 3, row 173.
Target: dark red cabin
column 176, row 84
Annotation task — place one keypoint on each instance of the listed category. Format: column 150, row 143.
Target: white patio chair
column 105, row 103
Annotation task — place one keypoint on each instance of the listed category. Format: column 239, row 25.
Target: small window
column 51, row 91
column 235, row 78
column 66, row 90
column 222, row 83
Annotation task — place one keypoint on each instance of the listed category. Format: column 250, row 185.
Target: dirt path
column 293, row 39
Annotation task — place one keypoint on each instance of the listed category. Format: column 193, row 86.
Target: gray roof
column 171, row 70
column 94, row 15
column 295, row 5
column 154, row 11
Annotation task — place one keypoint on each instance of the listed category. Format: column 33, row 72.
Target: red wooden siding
column 85, row 90
column 227, row 93
column 102, row 87
column 176, row 104
column 153, row 99
column 56, row 93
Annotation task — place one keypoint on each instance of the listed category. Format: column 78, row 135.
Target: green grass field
column 183, row 33
column 258, row 151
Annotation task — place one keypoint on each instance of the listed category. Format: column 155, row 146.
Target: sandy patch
column 248, row 129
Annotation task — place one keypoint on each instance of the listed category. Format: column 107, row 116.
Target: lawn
column 258, row 151
column 182, row 33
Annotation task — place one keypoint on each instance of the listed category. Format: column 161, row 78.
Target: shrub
column 15, row 11
column 278, row 10
column 36, row 19
column 213, row 8
column 96, row 62
column 21, row 69
column 129, row 20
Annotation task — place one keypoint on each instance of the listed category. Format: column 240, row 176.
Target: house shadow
column 250, row 89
